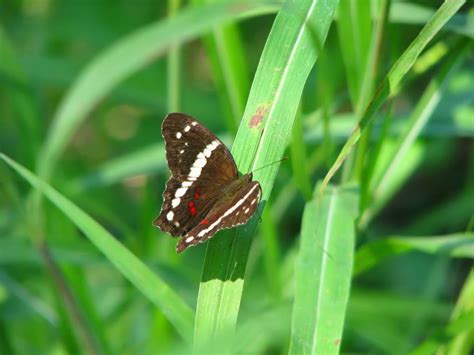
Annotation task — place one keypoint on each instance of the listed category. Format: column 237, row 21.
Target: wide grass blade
column 288, row 56
column 155, row 289
column 391, row 83
column 324, row 272
column 455, row 245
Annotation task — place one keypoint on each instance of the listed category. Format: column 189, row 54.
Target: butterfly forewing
column 185, row 139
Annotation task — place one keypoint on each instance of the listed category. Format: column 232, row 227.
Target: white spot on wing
column 247, row 210
column 181, row 151
column 253, row 201
column 189, row 239
column 170, row 215
column 199, row 163
column 179, row 135
column 180, row 192
column 228, row 212
column 186, row 184
column 187, row 128
column 201, row 160
column 194, row 173
column 175, row 202
column 194, row 123
column 207, row 152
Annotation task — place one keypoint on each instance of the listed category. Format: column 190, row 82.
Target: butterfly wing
column 201, row 166
column 225, row 213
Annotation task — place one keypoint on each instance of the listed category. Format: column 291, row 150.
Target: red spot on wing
column 197, row 193
column 204, row 221
column 192, row 208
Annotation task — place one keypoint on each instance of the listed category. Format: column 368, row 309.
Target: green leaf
column 373, row 253
column 324, row 272
column 288, row 56
column 155, row 289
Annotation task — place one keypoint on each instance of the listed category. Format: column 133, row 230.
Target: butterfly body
column 205, row 192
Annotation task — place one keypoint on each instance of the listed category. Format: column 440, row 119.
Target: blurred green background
column 59, row 294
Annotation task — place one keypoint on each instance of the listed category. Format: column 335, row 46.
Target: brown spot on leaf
column 258, row 117
column 337, row 342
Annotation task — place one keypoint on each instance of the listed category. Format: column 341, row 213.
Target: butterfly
column 205, row 192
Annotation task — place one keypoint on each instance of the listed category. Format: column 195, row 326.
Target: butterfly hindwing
column 180, row 213
column 224, row 214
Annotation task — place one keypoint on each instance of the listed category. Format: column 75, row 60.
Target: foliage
column 373, row 96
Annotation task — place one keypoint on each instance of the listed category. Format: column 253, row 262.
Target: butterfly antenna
column 267, row 165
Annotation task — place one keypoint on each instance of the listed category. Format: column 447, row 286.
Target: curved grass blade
column 264, row 132
column 465, row 323
column 391, row 83
column 455, row 245
column 421, row 114
column 411, row 13
column 463, row 341
column 115, row 64
column 155, row 289
column 31, row 302
column 147, row 160
column 324, row 272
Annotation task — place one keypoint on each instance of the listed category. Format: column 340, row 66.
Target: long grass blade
column 373, row 253
column 155, row 289
column 324, row 272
